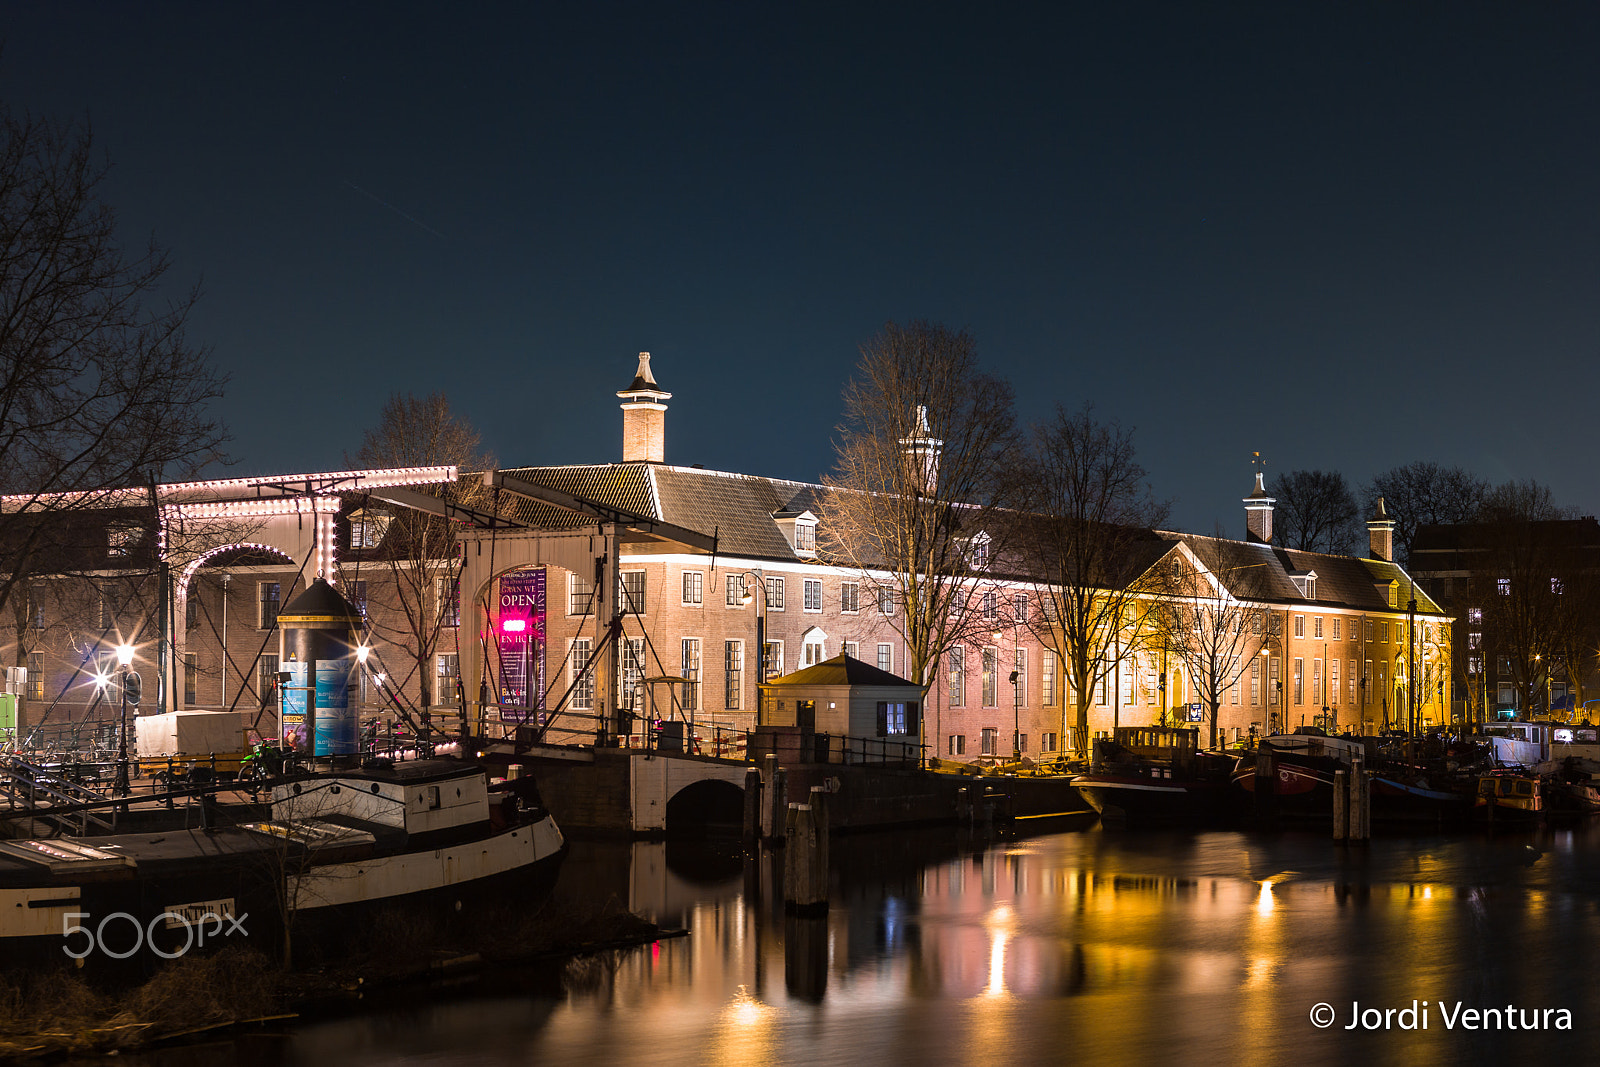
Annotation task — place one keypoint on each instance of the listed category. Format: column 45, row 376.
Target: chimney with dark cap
column 644, row 417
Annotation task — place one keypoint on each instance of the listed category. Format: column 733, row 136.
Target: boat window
column 1524, row 788
column 433, row 797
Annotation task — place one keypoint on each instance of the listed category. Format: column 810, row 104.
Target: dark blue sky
column 1347, row 235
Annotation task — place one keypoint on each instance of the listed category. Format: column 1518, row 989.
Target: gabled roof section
column 1254, row 571
column 841, row 670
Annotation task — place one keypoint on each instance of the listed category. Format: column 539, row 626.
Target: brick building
column 1336, row 641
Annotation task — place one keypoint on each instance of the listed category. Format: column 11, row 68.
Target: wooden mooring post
column 1352, row 804
column 774, row 798
column 752, row 807
column 805, row 870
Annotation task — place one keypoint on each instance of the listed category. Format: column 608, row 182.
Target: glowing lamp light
column 361, row 653
column 124, row 655
column 514, row 626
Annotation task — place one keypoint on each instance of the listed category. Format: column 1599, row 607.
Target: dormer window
column 978, row 552
column 1305, row 584
column 122, row 539
column 367, row 527
column 800, row 529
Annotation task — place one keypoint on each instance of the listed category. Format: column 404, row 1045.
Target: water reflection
column 1195, row 948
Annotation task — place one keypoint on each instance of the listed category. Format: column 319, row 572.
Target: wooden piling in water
column 805, row 869
column 1360, row 802
column 752, row 806
column 1341, row 805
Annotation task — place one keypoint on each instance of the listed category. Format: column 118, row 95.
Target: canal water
column 1083, row 945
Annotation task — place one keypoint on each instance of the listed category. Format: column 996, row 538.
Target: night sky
column 1347, row 235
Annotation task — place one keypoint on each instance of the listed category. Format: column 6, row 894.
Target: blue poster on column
column 521, row 634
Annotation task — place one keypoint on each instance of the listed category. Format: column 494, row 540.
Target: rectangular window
column 448, row 592
column 267, row 597
column 886, row 657
column 1316, row 626
column 1125, row 672
column 1299, row 680
column 852, row 649
column 267, row 681
column 991, row 683
column 1367, row 627
column 1274, row 683
column 1238, row 680
column 630, row 592
column 1047, row 680
column 1299, row 625
column 733, row 674
column 849, row 597
column 813, row 595
column 694, row 588
column 191, row 678
column 1350, row 682
column 1020, row 684
column 988, row 741
column 690, row 668
column 1333, row 682
column 958, row 677
column 990, row 610
column 1022, row 609
column 1336, row 629
column 733, row 589
column 448, row 666
column 958, row 745
column 1316, row 681
column 35, row 675
column 811, row 653
column 1255, row 682
column 579, row 677
column 1022, row 743
column 1047, row 742
column 885, row 602
column 36, row 607
column 1475, row 615
column 897, row 719
column 1501, row 586
column 774, row 594
column 631, row 666
column 1100, row 691
column 580, row 595
column 773, row 664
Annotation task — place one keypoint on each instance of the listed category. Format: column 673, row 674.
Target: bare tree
column 915, row 499
column 417, row 552
column 1088, row 535
column 1528, row 556
column 1316, row 511
column 1205, row 619
column 98, row 388
column 1424, row 493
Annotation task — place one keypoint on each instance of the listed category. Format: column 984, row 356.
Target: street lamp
column 761, row 623
column 130, row 679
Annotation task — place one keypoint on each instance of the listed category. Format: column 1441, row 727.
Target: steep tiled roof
column 1255, row 571
column 841, row 670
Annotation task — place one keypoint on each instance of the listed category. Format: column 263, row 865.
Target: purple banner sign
column 521, row 636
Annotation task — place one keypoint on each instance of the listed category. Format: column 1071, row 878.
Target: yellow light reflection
column 744, row 1031
column 997, row 965
column 1265, row 902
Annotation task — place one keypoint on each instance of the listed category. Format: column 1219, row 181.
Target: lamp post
column 121, row 786
column 761, row 624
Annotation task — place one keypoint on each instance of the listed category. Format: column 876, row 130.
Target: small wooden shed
column 843, row 697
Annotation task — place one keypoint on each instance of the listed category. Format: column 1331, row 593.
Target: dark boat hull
column 1133, row 801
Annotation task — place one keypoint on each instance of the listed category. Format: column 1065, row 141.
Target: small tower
column 1258, row 508
column 922, row 451
column 1380, row 530
column 644, row 417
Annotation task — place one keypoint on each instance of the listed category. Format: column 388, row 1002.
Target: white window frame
column 886, row 656
column 812, row 593
column 849, row 598
column 694, row 589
